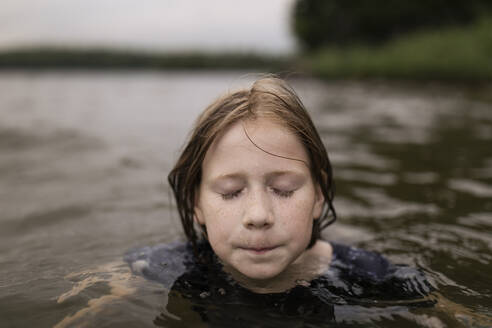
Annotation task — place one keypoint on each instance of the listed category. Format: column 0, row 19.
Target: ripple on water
column 474, row 188
column 380, row 205
column 458, row 242
column 15, row 139
column 482, row 173
column 47, row 217
column 374, row 178
column 452, row 255
column 420, row 177
column 478, row 220
column 359, row 156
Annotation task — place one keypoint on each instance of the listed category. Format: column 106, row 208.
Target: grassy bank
column 448, row 54
column 60, row 58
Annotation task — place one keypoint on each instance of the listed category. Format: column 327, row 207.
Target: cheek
column 217, row 230
column 297, row 215
column 220, row 235
column 218, row 220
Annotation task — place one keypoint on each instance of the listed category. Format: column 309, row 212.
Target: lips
column 259, row 250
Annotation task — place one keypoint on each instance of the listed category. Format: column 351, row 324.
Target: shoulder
column 366, row 264
column 367, row 268
column 163, row 262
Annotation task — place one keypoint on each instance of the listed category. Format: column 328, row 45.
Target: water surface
column 83, row 166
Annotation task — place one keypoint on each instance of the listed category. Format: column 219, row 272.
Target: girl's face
column 258, row 208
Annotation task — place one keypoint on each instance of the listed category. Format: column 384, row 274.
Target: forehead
column 261, row 144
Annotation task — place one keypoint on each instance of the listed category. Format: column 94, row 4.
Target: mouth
column 259, row 250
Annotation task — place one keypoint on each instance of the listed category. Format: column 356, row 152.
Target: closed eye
column 231, row 195
column 283, row 193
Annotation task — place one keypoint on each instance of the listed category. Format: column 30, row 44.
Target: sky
column 163, row 25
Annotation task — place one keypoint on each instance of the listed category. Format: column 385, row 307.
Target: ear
column 197, row 211
column 198, row 215
column 318, row 203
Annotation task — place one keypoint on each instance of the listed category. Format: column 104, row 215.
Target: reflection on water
column 84, row 158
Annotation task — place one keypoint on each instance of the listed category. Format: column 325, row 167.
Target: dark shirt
column 356, row 279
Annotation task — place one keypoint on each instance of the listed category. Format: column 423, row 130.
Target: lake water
column 84, row 159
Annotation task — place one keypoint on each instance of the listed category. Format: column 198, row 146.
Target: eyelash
column 231, row 195
column 283, row 193
column 278, row 192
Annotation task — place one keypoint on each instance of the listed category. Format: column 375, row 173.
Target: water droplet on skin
column 204, row 294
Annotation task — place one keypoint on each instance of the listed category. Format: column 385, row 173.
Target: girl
column 254, row 190
column 256, row 179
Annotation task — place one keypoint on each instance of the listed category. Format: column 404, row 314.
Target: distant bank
column 450, row 54
column 60, row 58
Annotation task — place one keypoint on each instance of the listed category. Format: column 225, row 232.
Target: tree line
column 319, row 23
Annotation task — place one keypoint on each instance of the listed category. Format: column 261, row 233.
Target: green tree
column 317, row 23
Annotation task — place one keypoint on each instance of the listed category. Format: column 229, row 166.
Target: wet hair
column 268, row 97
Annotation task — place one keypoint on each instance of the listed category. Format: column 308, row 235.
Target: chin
column 260, row 273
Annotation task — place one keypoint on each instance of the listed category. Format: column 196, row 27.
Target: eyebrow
column 268, row 176
column 230, row 176
column 276, row 174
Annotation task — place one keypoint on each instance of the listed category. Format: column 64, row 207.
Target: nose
column 258, row 214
